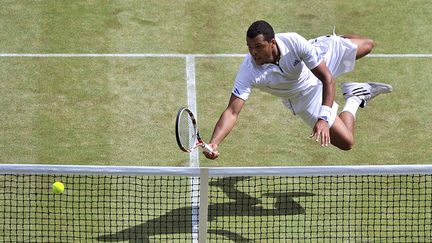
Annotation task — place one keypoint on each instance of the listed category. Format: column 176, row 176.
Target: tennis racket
column 187, row 134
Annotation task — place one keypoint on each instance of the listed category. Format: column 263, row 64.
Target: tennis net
column 173, row 204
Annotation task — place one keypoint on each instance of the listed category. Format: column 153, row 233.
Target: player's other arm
column 321, row 129
column 311, row 57
column 225, row 124
column 329, row 84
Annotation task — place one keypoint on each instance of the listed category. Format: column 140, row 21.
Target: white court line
column 191, row 100
column 140, row 55
column 116, row 55
column 400, row 55
column 90, row 55
column 194, row 155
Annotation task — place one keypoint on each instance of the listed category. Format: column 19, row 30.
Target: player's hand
column 214, row 154
column 321, row 133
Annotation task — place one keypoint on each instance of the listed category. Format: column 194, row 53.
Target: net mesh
column 95, row 208
column 113, row 208
column 379, row 208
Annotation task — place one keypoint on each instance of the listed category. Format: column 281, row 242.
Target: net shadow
column 179, row 221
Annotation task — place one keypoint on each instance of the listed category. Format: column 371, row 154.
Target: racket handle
column 207, row 147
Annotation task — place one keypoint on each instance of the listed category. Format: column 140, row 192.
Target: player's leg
column 356, row 95
column 342, row 131
column 364, row 44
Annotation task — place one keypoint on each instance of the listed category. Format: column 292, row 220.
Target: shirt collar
column 282, row 47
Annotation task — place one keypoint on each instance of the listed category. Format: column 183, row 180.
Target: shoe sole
column 384, row 88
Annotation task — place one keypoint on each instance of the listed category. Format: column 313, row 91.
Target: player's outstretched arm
column 225, row 124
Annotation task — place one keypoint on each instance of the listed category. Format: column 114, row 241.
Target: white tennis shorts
column 339, row 55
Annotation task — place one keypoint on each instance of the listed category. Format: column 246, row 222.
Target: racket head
column 186, row 130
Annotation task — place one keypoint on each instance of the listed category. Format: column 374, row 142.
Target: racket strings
column 187, row 132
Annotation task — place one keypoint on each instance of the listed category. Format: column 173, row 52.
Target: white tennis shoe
column 365, row 91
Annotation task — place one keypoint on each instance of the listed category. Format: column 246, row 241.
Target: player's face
column 260, row 49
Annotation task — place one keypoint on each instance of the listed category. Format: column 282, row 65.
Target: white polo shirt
column 285, row 80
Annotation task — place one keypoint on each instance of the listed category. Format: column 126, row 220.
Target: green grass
column 121, row 111
column 89, row 111
column 117, row 110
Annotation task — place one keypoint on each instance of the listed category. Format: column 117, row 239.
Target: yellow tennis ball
column 58, row 187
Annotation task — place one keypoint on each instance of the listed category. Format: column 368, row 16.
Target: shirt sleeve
column 243, row 82
column 307, row 52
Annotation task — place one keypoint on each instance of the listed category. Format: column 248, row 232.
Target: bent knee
column 365, row 47
column 368, row 45
column 346, row 146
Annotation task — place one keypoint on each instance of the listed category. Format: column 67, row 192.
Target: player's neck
column 276, row 54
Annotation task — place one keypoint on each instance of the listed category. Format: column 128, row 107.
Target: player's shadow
column 178, row 221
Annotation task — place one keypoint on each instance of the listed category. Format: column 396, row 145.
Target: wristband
column 324, row 113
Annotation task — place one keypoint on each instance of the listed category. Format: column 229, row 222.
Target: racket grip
column 207, row 148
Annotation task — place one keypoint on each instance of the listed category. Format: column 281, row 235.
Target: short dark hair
column 261, row 27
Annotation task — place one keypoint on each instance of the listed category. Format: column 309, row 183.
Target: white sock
column 352, row 104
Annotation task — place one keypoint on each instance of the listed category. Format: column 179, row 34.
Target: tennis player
column 302, row 73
